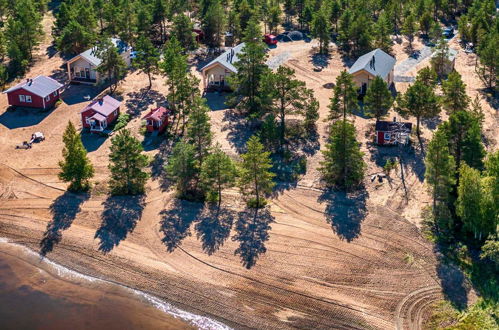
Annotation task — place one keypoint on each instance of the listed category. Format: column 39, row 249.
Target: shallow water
column 39, row 294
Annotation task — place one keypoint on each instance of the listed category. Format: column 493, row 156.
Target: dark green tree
column 454, row 93
column 76, row 168
column 199, row 130
column 378, row 99
column 255, row 178
column 182, row 31
column 181, row 167
column 320, row 29
column 344, row 100
column 343, row 164
column 147, row 58
column 127, row 163
column 113, row 66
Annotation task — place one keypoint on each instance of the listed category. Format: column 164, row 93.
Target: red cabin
column 270, row 39
column 100, row 113
column 199, row 34
column 157, row 119
column 392, row 132
column 41, row 92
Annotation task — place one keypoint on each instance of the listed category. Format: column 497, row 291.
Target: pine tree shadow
column 140, row 101
column 64, row 210
column 213, row 228
column 176, row 222
column 119, row 218
column 345, row 212
column 454, row 283
column 252, row 231
column 159, row 161
column 239, row 128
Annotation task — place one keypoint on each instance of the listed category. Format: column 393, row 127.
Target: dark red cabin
column 392, row 132
column 100, row 113
column 157, row 120
column 40, row 92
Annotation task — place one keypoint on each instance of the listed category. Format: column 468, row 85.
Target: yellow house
column 370, row 65
column 216, row 72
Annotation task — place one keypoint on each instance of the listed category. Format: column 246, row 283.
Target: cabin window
column 47, row 98
column 115, row 112
column 55, row 93
column 22, row 98
column 387, row 136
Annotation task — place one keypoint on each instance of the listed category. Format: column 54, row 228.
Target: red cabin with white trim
column 41, row 92
column 157, row 119
column 100, row 113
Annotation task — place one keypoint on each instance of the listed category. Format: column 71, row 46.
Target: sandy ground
column 330, row 260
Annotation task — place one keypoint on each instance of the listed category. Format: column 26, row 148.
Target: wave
column 201, row 322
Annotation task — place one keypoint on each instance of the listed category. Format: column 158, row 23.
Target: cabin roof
column 105, row 106
column 41, row 86
column 390, row 126
column 376, row 62
column 227, row 58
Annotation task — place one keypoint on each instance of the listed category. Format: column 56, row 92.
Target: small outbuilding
column 41, row 92
column 100, row 113
column 157, row 120
column 368, row 66
column 393, row 132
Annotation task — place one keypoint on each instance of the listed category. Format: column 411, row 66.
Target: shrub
column 123, row 119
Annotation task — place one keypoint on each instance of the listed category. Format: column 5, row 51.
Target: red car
column 270, row 39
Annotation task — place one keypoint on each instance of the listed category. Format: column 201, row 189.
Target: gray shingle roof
column 227, row 58
column 90, row 56
column 41, row 86
column 376, row 62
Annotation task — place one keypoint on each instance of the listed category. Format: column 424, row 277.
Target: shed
column 370, row 65
column 392, row 132
column 157, row 119
column 100, row 113
column 41, row 92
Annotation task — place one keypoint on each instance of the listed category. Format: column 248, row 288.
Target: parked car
column 270, row 39
column 448, row 32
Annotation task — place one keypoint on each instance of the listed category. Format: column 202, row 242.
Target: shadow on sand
column 176, row 222
column 119, row 218
column 91, row 141
column 140, row 101
column 345, row 212
column 23, row 117
column 213, row 228
column 454, row 283
column 240, row 129
column 64, row 210
column 252, row 231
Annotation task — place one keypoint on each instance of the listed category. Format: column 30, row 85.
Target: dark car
column 448, row 32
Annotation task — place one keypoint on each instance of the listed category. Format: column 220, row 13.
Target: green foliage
column 440, row 59
column 440, row 176
column 419, row 101
column 480, row 316
column 199, row 130
column 344, row 99
column 454, row 93
column 113, row 66
column 428, row 77
column 181, row 167
column 488, row 69
column 147, row 58
column 251, row 68
column 343, row 164
column 378, row 99
column 288, row 96
column 409, row 28
column 269, row 133
column 255, row 178
column 320, row 29
column 122, row 121
column 182, row 31
column 218, row 172
column 75, row 167
column 127, row 163
column 214, row 22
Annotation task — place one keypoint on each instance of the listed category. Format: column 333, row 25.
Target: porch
column 98, row 123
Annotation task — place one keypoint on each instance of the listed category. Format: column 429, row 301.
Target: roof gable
column 90, row 55
column 227, row 58
column 105, row 106
column 157, row 114
column 376, row 62
column 41, row 86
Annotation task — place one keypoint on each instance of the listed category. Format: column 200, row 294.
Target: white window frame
column 29, row 99
column 47, row 98
column 115, row 112
column 387, row 136
column 22, row 98
column 55, row 93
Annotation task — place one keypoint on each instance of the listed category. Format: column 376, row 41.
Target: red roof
column 157, row 114
column 105, row 106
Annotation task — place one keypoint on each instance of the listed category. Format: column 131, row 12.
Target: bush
column 123, row 119
column 252, row 203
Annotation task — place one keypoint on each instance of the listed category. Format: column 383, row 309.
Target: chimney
column 394, row 119
column 101, row 101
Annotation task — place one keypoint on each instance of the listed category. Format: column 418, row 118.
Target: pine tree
column 127, row 163
column 147, row 58
column 343, row 164
column 454, row 93
column 199, row 130
column 344, row 100
column 382, row 32
column 440, row 58
column 378, row 99
column 419, row 101
column 440, row 175
column 76, row 167
column 409, row 29
column 112, row 66
column 428, row 77
column 320, row 29
column 181, row 167
column 214, row 22
column 182, row 31
column 488, row 68
column 251, row 68
column 288, row 96
column 255, row 178
column 218, row 172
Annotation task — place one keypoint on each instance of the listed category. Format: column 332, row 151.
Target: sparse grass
column 409, row 258
column 480, row 316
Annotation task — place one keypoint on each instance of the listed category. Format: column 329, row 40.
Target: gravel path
column 411, row 62
column 277, row 60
